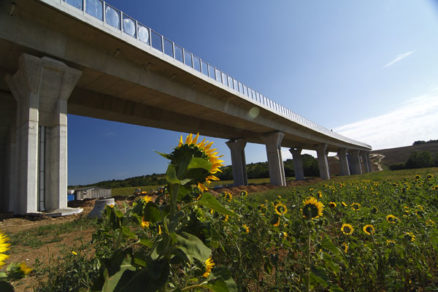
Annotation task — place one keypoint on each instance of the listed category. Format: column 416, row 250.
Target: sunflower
column 392, row 219
column 368, row 229
column 280, row 208
column 374, row 210
column 25, row 269
column 147, row 199
column 347, row 229
column 228, row 196
column 226, row 218
column 390, row 242
column 409, row 236
column 159, row 230
column 262, row 208
column 4, row 247
column 244, row 193
column 245, row 228
column 319, row 194
column 355, row 206
column 144, row 223
column 430, row 222
column 283, row 234
column 312, row 208
column 332, row 205
column 192, row 148
column 419, row 213
column 344, row 204
column 275, row 221
column 345, row 246
column 209, row 264
column 74, row 253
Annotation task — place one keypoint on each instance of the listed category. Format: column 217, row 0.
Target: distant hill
column 401, row 154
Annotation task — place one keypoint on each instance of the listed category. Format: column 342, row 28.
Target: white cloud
column 416, row 119
column 398, row 58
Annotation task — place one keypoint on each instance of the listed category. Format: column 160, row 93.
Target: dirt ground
column 49, row 252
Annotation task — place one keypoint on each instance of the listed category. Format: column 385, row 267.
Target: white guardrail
column 147, row 36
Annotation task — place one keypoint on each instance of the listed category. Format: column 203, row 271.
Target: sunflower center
column 347, row 229
column 310, row 211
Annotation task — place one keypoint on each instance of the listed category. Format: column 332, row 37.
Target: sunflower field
column 358, row 235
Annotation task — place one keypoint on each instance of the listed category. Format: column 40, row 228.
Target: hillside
column 401, row 154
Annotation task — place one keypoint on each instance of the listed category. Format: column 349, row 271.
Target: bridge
column 85, row 57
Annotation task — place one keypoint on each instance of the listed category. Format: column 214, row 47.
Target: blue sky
column 367, row 69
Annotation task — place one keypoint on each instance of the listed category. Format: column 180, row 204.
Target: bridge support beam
column 237, row 148
column 324, row 171
column 41, row 87
column 275, row 161
column 343, row 161
column 298, row 163
column 366, row 161
column 354, row 160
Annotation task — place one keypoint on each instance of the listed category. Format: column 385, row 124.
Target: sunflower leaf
column 198, row 162
column 207, row 200
column 165, row 155
column 192, row 247
column 171, row 175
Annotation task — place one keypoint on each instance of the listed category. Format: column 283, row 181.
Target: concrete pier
column 237, row 148
column 343, row 161
column 366, row 161
column 324, row 171
column 275, row 161
column 354, row 160
column 298, row 162
column 41, row 88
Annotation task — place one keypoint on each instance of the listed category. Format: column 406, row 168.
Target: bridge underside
column 52, row 64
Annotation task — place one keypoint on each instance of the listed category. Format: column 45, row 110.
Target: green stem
column 173, row 192
column 308, row 263
column 193, row 286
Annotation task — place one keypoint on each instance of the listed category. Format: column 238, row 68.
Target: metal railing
column 147, row 36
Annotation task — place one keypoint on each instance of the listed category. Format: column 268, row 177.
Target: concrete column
column 345, row 168
column 11, row 190
column 42, row 87
column 355, row 162
column 370, row 165
column 237, row 148
column 298, row 162
column 7, row 133
column 324, row 171
column 275, row 161
column 365, row 160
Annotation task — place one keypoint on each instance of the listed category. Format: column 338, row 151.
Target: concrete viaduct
column 84, row 57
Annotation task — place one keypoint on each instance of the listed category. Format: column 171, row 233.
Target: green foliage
column 143, row 180
column 262, row 242
column 71, row 273
column 420, row 142
column 260, row 169
column 162, row 244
